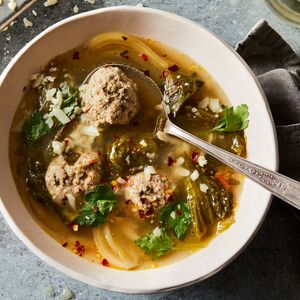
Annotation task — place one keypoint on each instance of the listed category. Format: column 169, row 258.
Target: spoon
column 279, row 185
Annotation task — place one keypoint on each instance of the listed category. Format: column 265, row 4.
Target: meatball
column 66, row 181
column 149, row 192
column 110, row 98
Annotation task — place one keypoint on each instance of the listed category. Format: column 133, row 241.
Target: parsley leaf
column 70, row 101
column 233, row 120
column 155, row 246
column 177, row 217
column 99, row 203
column 35, row 127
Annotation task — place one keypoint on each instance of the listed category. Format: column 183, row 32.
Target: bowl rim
column 60, row 266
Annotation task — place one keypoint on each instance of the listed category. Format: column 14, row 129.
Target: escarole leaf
column 177, row 89
column 176, row 217
column 35, row 127
column 234, row 119
column 155, row 245
column 98, row 205
column 53, row 111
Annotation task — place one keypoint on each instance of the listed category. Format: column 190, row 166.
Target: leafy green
column 177, row 217
column 155, row 246
column 35, row 127
column 178, row 88
column 70, row 101
column 99, row 204
column 233, row 120
column 127, row 153
column 215, row 204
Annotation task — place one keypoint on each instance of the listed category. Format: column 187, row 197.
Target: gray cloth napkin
column 277, row 68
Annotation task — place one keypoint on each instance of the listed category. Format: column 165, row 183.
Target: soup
column 95, row 169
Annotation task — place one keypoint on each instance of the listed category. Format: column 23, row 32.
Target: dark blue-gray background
column 268, row 269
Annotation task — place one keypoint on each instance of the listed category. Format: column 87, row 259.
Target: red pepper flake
column 147, row 73
column 66, row 141
column 92, row 162
column 87, row 110
column 144, row 57
column 222, row 180
column 128, row 202
column 75, row 55
column 125, row 54
column 105, row 262
column 173, row 68
column 171, row 161
column 124, row 38
column 144, row 200
column 142, row 214
column 170, row 198
column 164, row 74
column 78, row 249
column 102, row 181
column 194, row 157
column 135, row 123
column 116, row 137
column 65, row 244
column 150, row 212
column 178, row 212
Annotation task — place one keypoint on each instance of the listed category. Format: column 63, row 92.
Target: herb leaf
column 177, row 217
column 233, row 120
column 35, row 127
column 70, row 101
column 99, row 203
column 155, row 246
column 178, row 88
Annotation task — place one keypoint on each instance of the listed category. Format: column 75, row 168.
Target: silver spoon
column 279, row 185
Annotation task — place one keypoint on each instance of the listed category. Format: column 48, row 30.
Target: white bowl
column 231, row 73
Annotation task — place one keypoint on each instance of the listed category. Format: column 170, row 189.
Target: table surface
column 270, row 266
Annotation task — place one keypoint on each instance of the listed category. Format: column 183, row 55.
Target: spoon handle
column 281, row 186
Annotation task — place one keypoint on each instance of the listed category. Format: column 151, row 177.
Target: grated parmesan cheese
column 182, row 172
column 90, row 131
column 12, row 4
column 179, row 161
column 60, row 115
column 148, row 170
column 50, row 3
column 34, row 12
column 202, row 161
column 90, row 1
column 58, row 147
column 156, row 232
column 71, row 200
column 204, row 103
column 173, row 215
column 75, row 9
column 203, row 187
column 143, row 143
column 214, row 105
column 194, row 175
column 27, row 23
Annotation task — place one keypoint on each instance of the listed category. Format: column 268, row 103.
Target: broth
column 124, row 225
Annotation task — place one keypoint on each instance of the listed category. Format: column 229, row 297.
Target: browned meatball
column 66, row 181
column 148, row 192
column 109, row 98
